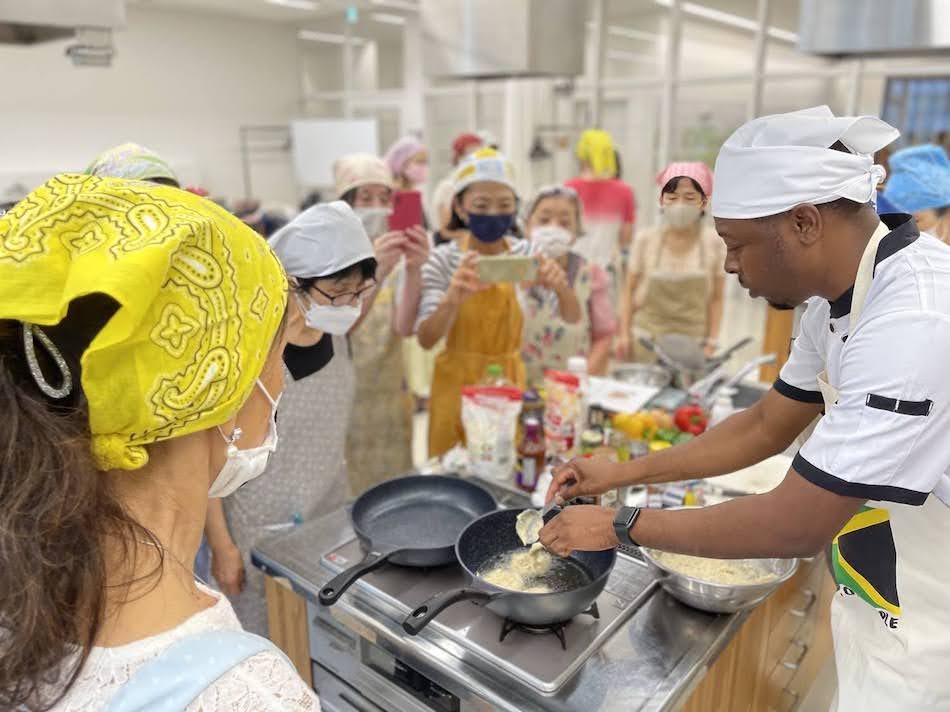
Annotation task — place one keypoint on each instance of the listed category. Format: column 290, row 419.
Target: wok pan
column 576, row 582
column 410, row 521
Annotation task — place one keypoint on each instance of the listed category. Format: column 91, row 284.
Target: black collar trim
column 903, row 232
column 303, row 361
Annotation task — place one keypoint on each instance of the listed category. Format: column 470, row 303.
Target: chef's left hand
column 580, row 527
column 551, row 275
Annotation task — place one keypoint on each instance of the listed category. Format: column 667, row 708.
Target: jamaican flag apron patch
column 864, row 559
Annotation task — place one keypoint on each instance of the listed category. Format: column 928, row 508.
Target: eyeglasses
column 342, row 300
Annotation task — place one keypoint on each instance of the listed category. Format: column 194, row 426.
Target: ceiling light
column 728, row 18
column 780, row 34
column 625, row 56
column 328, row 37
column 399, row 4
column 388, row 19
column 308, row 5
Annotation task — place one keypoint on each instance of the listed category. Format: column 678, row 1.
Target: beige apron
column 379, row 439
column 873, row 633
column 674, row 303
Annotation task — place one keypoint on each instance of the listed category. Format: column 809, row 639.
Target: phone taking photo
column 495, row 269
column 407, row 210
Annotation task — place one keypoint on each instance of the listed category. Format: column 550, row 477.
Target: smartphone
column 407, row 210
column 507, row 268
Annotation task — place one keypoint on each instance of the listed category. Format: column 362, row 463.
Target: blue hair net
column 920, row 179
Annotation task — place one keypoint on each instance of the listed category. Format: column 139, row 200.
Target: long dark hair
column 56, row 513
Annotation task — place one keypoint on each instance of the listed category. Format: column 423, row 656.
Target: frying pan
column 410, row 521
column 489, row 537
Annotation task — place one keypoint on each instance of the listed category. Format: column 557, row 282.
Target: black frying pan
column 494, row 534
column 411, row 521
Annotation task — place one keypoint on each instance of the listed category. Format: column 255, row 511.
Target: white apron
column 890, row 618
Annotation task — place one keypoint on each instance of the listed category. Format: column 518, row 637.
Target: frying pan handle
column 331, row 593
column 424, row 614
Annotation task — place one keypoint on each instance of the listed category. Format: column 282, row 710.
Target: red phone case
column 407, row 210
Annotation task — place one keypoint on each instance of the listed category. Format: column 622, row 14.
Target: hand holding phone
column 494, row 269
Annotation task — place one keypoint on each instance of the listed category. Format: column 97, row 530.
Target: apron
column 549, row 341
column 486, row 330
column 379, row 439
column 890, row 616
column 674, row 303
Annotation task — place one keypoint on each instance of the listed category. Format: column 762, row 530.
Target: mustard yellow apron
column 487, row 330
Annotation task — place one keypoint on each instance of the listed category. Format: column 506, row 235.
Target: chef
column 793, row 204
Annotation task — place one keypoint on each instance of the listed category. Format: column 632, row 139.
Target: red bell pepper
column 690, row 419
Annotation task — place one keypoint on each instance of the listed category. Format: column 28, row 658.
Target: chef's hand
column 581, row 527
column 227, row 567
column 416, row 248
column 465, row 281
column 388, row 248
column 584, row 476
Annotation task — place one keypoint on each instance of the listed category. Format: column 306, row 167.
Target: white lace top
column 263, row 683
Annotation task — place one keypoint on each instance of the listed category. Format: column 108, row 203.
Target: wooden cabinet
column 287, row 621
column 770, row 665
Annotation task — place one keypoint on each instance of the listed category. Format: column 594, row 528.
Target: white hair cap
column 323, row 240
column 773, row 163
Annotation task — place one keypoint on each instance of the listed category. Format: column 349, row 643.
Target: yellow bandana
column 200, row 296
column 597, row 149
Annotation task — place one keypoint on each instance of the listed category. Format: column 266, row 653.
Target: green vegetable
column 682, row 438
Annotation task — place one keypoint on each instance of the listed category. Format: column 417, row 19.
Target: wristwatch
column 625, row 519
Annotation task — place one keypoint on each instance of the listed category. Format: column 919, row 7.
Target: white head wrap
column 321, row 241
column 773, row 163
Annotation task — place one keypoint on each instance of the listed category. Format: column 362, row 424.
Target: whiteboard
column 317, row 143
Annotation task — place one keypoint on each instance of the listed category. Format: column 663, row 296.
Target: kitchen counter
column 658, row 659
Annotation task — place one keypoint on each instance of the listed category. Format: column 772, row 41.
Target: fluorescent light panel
column 388, row 19
column 308, row 5
column 398, row 4
column 728, row 18
column 625, row 56
column 327, row 37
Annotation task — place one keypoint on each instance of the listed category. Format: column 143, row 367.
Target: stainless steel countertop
column 651, row 663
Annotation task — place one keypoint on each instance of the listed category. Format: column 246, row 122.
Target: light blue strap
column 174, row 679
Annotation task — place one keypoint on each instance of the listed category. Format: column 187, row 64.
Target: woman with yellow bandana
column 140, row 341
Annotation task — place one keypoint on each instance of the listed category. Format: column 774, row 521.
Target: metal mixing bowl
column 717, row 597
column 643, row 374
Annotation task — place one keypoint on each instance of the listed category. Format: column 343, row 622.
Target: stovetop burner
column 470, row 633
column 557, row 629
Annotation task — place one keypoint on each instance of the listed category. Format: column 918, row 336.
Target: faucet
column 706, row 389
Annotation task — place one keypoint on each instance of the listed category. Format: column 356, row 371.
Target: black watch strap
column 625, row 519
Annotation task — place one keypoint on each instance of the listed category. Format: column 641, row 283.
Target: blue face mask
column 490, row 228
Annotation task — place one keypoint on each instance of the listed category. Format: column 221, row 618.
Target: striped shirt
column 438, row 270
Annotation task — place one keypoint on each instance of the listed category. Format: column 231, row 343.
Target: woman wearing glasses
column 331, row 266
column 552, row 225
column 675, row 280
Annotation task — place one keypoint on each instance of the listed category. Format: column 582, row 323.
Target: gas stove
column 538, row 661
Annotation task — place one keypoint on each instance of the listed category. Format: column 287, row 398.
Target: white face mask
column 375, row 220
column 552, row 241
column 242, row 466
column 330, row 319
column 680, row 216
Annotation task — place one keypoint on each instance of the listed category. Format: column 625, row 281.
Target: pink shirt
column 608, row 205
column 603, row 321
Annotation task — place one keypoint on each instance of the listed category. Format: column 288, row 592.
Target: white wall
column 180, row 83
